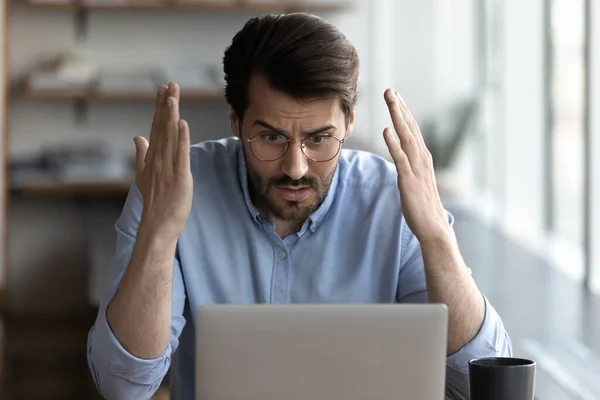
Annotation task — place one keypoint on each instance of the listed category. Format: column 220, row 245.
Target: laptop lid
column 329, row 352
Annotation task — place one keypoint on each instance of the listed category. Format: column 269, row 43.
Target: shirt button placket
column 280, row 287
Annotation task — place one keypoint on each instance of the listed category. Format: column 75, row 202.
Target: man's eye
column 318, row 139
column 273, row 138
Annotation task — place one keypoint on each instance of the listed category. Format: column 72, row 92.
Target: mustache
column 287, row 181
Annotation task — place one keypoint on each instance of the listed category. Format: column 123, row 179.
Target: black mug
column 501, row 378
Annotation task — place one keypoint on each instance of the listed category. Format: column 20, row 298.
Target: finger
column 425, row 155
column 172, row 108
column 141, row 148
column 174, row 91
column 171, row 134
column 182, row 158
column 406, row 115
column 407, row 140
column 398, row 155
column 158, row 119
column 412, row 124
column 161, row 97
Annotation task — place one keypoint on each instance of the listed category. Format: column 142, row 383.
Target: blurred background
column 507, row 94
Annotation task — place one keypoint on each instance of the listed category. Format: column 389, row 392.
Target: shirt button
column 282, row 255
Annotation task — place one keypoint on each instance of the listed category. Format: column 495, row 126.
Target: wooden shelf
column 240, row 6
column 195, row 95
column 75, row 189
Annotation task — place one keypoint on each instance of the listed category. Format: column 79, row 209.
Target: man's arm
column 431, row 257
column 130, row 342
column 118, row 373
column 491, row 339
column 449, row 281
column 140, row 312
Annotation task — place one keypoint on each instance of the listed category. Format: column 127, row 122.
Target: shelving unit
column 103, row 189
column 81, row 98
column 94, row 95
column 83, row 8
column 198, row 6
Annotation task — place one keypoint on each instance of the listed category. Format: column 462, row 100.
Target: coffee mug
column 502, row 378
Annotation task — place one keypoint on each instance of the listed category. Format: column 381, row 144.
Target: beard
column 262, row 193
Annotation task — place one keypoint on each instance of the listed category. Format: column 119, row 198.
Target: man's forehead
column 296, row 129
column 264, row 101
column 298, row 112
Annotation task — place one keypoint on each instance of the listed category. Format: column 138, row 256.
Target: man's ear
column 234, row 123
column 350, row 125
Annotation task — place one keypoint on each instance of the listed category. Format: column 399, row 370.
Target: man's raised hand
column 163, row 173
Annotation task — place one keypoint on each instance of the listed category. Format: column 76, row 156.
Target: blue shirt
column 355, row 248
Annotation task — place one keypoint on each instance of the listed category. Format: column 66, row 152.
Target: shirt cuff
column 491, row 341
column 109, row 355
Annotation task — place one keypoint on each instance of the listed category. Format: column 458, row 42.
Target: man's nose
column 295, row 163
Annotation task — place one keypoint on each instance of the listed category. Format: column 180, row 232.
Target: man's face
column 292, row 187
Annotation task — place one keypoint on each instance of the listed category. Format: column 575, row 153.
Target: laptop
column 321, row 352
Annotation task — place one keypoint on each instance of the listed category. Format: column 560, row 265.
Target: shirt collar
column 313, row 221
column 319, row 215
column 243, row 178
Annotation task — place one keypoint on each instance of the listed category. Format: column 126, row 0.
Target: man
column 278, row 214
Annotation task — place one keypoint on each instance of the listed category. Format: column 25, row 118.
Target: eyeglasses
column 272, row 146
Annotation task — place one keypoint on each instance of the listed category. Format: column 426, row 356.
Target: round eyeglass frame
column 302, row 147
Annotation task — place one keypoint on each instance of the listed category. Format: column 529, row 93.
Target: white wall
column 402, row 56
column 413, row 51
column 423, row 49
column 516, row 116
column 456, row 80
column 454, row 64
column 523, row 119
column 492, row 151
column 594, row 88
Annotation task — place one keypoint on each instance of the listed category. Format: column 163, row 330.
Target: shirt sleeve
column 117, row 373
column 492, row 340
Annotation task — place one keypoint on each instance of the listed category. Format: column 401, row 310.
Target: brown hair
column 299, row 54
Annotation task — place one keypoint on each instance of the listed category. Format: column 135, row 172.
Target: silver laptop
column 321, row 352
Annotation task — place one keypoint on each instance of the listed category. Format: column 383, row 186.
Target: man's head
column 291, row 77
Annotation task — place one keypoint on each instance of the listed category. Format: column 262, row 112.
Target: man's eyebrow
column 269, row 127
column 283, row 132
column 319, row 130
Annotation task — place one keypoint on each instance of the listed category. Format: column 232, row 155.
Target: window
column 567, row 122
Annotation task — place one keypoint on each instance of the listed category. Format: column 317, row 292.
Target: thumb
column 141, row 148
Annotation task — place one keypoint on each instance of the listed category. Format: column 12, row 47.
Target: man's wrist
column 441, row 249
column 157, row 237
column 443, row 239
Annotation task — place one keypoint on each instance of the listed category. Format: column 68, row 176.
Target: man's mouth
column 294, row 187
column 294, row 193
